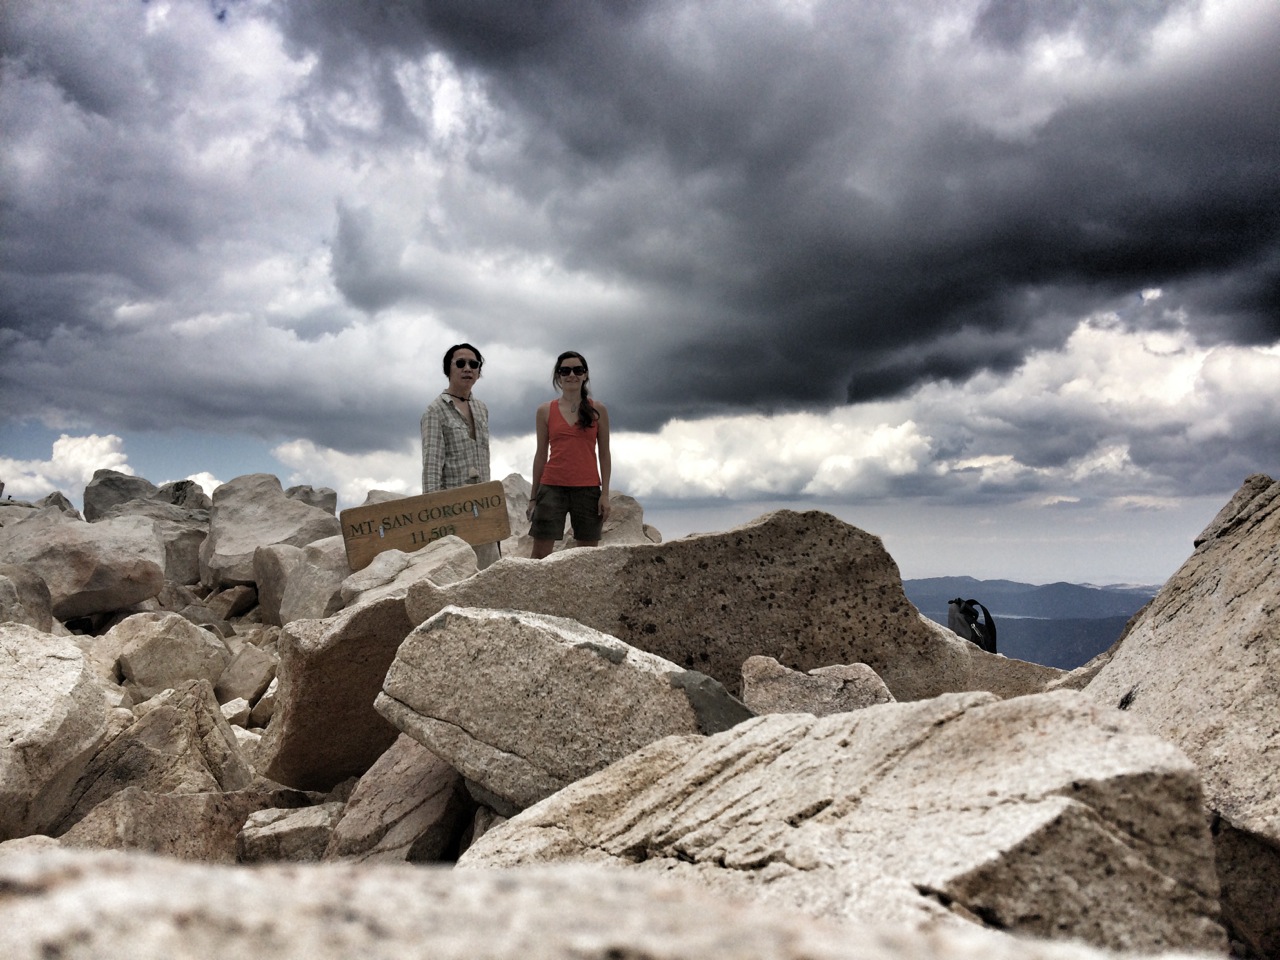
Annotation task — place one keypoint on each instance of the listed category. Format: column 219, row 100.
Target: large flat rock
column 804, row 588
column 89, row 567
column 64, row 904
column 253, row 511
column 523, row 704
column 1045, row 816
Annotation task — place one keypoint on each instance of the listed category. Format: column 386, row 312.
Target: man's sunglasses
column 461, row 364
column 576, row 371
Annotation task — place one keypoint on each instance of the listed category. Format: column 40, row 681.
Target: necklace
column 456, row 397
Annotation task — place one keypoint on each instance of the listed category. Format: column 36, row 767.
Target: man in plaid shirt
column 455, row 434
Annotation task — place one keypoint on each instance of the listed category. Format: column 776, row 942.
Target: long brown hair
column 587, row 414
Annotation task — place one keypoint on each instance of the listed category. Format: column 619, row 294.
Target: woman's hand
column 603, row 508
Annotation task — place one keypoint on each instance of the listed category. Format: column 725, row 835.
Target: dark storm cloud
column 730, row 207
column 112, row 212
column 751, row 127
column 1107, row 27
column 363, row 269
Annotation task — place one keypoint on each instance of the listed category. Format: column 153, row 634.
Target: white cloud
column 1128, row 388
column 1126, row 385
column 351, row 475
column 208, row 482
column 844, row 452
column 69, row 468
column 398, row 471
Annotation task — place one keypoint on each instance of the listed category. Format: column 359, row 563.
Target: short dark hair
column 448, row 355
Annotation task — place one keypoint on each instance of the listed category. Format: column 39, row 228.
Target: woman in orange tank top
column 571, row 466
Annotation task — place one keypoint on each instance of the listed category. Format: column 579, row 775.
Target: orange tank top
column 571, row 461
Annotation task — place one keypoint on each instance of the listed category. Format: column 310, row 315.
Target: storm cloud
column 968, row 250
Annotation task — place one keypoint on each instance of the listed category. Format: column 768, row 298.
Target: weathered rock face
column 158, row 651
column 24, row 598
column 52, row 719
column 806, row 589
column 324, row 498
column 68, row 904
column 181, row 528
column 189, row 826
column 442, row 561
column 1046, row 816
column 769, row 687
column 250, row 512
column 89, row 567
column 182, row 542
column 180, row 743
column 272, row 566
column 15, row 511
column 232, row 602
column 265, row 708
column 325, row 728
column 1202, row 667
column 109, row 488
column 247, row 676
column 185, row 493
column 411, row 805
column 296, row 835
column 313, row 590
column 524, row 704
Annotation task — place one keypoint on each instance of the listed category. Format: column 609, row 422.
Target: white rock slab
column 523, row 704
column 53, row 718
column 1044, row 816
column 74, row 904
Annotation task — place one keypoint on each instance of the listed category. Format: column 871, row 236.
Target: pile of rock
column 760, row 716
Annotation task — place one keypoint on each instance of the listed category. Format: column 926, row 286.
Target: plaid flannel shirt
column 450, row 458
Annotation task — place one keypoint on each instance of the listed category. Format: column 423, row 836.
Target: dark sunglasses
column 576, row 371
column 473, row 364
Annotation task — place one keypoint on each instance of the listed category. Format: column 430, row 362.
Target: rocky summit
column 741, row 744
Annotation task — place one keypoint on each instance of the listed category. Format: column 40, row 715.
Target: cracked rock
column 111, row 905
column 769, row 687
column 1201, row 666
column 804, row 588
column 522, row 703
column 323, row 727
column 1044, row 815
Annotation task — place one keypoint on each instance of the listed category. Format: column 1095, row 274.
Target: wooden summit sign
column 477, row 513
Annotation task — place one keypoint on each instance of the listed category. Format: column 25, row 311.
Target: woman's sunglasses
column 473, row 364
column 576, row 371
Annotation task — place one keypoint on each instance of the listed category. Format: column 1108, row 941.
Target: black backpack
column 962, row 617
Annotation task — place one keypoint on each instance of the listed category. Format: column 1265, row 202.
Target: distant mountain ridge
column 1057, row 624
column 1051, row 601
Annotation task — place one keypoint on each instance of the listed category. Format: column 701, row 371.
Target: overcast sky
column 998, row 280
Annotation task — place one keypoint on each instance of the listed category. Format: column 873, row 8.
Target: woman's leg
column 549, row 510
column 584, row 513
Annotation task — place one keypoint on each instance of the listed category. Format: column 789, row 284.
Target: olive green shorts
column 580, row 504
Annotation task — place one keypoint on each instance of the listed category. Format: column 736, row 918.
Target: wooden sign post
column 477, row 513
